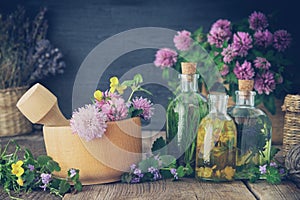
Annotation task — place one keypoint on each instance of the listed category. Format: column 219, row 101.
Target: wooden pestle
column 40, row 106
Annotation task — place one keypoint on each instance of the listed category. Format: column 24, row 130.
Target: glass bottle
column 254, row 132
column 184, row 114
column 216, row 142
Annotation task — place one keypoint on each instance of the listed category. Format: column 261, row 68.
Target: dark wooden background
column 77, row 26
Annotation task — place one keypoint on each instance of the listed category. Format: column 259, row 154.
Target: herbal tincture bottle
column 216, row 142
column 184, row 114
column 254, row 130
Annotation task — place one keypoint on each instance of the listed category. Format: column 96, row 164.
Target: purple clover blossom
column 281, row 171
column 263, row 38
column 262, row 63
column 135, row 180
column 229, row 53
column 138, row 173
column 183, row 40
column 88, row 122
column 155, row 172
column 244, row 71
column 242, row 42
column 72, row 173
column 273, row 164
column 46, row 178
column 223, row 24
column 145, row 105
column 30, row 167
column 265, row 83
column 282, row 40
column 263, row 169
column 225, row 70
column 165, row 58
column 132, row 167
column 173, row 171
column 113, row 106
column 219, row 33
column 258, row 21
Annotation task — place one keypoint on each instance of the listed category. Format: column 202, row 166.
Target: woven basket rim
column 13, row 88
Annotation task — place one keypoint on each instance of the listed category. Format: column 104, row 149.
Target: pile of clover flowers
column 247, row 50
column 27, row 174
column 90, row 121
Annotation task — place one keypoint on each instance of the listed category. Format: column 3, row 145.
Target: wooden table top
column 186, row 188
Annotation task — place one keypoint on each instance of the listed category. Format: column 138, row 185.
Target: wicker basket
column 291, row 129
column 12, row 122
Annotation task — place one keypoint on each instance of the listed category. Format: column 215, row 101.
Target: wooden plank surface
column 164, row 189
column 35, row 195
column 265, row 191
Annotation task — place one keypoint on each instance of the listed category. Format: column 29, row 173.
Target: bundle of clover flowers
column 246, row 50
column 89, row 122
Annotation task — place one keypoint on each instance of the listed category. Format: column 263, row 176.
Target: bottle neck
column 245, row 98
column 189, row 83
column 218, row 103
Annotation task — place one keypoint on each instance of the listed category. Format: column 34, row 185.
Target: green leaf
column 55, row 183
column 128, row 83
column 274, row 151
column 64, row 187
column 253, row 174
column 180, row 171
column 78, row 186
column 126, row 178
column 188, row 169
column 157, row 146
column 273, row 176
column 43, row 160
column 27, row 154
column 136, row 112
column 138, row 78
column 53, row 166
column 147, row 163
column 28, row 178
column 167, row 160
column 166, row 174
column 165, row 73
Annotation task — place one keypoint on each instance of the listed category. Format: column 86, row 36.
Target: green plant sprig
column 156, row 167
column 24, row 175
column 135, row 85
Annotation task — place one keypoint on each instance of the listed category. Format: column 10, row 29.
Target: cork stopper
column 188, row 68
column 246, row 85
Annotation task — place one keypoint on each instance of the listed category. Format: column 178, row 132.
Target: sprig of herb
column 24, row 175
column 156, row 167
column 272, row 172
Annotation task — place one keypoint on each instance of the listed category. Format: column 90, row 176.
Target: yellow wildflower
column 98, row 95
column 226, row 136
column 205, row 172
column 16, row 168
column 115, row 85
column 20, row 181
column 218, row 173
column 229, row 172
